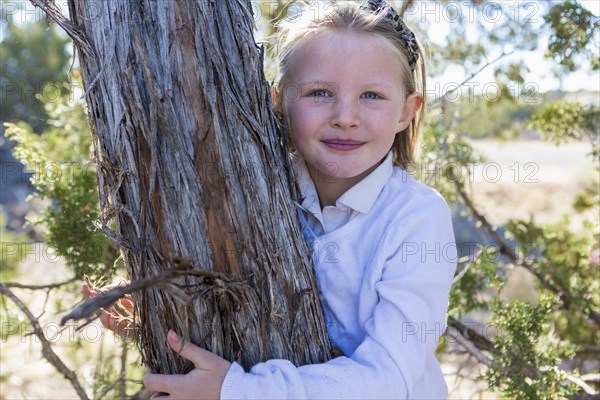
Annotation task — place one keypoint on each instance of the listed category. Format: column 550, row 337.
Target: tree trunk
column 192, row 169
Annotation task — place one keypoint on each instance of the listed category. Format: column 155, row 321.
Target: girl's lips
column 343, row 145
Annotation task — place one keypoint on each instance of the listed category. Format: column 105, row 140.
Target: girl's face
column 344, row 98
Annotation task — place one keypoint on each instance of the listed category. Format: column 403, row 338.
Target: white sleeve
column 401, row 335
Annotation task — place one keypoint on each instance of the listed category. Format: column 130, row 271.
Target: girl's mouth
column 342, row 144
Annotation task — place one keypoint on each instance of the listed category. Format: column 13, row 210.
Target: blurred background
column 511, row 141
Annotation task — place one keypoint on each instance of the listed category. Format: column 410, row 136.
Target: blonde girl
column 350, row 88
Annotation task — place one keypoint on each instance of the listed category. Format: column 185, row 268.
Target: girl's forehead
column 341, row 41
column 336, row 52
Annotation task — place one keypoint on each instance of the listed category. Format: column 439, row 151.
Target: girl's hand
column 203, row 382
column 118, row 317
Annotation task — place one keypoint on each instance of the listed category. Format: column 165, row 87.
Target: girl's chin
column 336, row 170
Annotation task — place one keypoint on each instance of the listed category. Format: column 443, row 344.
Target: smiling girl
column 351, row 84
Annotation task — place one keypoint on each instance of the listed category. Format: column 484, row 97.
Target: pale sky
column 540, row 75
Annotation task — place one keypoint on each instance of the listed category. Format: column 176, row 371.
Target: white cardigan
column 384, row 258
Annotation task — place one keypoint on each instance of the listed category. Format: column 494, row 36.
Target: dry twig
column 53, row 12
column 38, row 287
column 166, row 280
column 47, row 351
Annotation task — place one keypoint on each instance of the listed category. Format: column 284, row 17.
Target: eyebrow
column 317, row 83
column 327, row 84
column 383, row 84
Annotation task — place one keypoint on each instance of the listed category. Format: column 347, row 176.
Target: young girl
column 351, row 86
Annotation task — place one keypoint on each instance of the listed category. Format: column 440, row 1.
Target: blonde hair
column 292, row 34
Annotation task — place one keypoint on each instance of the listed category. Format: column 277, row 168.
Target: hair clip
column 407, row 37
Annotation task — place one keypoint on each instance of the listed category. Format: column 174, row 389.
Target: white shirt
column 357, row 199
column 384, row 274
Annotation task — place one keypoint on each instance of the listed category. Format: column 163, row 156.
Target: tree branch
column 47, row 351
column 470, row 334
column 164, row 280
column 582, row 384
column 473, row 75
column 505, row 250
column 466, row 268
column 53, row 12
column 475, row 343
column 469, row 346
column 38, row 287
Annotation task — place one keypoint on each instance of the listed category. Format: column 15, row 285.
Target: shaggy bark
column 192, row 170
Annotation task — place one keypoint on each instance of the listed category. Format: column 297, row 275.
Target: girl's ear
column 411, row 105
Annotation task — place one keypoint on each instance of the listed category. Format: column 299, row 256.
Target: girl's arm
column 396, row 357
column 400, row 337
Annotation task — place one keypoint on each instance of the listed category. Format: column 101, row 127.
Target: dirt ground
column 520, row 178
column 527, row 177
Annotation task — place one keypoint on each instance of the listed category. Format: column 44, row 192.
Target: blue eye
column 371, row 95
column 319, row 93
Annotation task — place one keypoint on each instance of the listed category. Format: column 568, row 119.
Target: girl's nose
column 345, row 114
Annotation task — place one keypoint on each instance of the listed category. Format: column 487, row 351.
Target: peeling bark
column 191, row 167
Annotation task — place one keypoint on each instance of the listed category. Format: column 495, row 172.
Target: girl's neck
column 330, row 188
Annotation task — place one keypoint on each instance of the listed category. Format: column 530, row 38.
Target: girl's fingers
column 201, row 358
column 106, row 288
column 122, row 327
column 88, row 291
column 118, row 324
column 164, row 384
column 127, row 304
column 118, row 316
column 122, row 308
column 104, row 318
